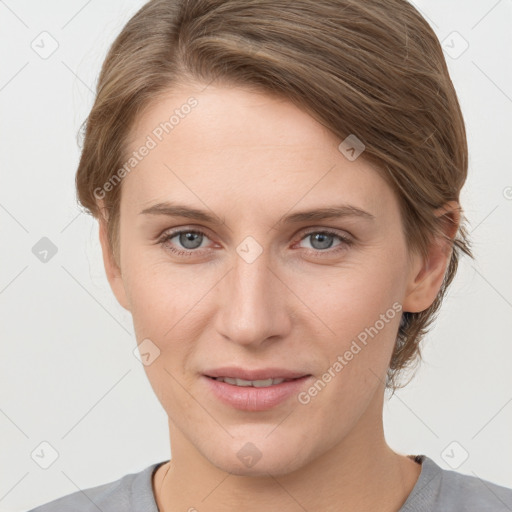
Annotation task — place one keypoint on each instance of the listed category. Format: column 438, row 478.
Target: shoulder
column 442, row 490
column 126, row 493
column 473, row 493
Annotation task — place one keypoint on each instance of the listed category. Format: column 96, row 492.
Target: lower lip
column 249, row 398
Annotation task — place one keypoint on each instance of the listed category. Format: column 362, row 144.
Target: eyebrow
column 178, row 210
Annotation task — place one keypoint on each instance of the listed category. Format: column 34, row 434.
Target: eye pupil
column 324, row 238
column 190, row 239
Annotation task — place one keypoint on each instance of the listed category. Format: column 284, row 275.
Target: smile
column 265, row 383
column 256, row 394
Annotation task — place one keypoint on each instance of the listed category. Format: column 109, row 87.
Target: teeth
column 255, row 383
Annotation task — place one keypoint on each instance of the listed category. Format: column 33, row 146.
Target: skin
column 250, row 159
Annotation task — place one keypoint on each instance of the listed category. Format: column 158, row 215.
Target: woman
column 277, row 188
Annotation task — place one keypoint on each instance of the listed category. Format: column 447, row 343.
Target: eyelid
column 333, row 231
column 345, row 240
column 170, row 232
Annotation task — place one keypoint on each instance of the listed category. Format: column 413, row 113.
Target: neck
column 361, row 472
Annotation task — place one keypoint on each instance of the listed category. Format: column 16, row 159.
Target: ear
column 427, row 274
column 112, row 270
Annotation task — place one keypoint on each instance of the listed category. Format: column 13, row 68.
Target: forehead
column 231, row 143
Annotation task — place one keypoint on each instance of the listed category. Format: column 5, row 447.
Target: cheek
column 167, row 310
column 154, row 304
column 363, row 316
column 167, row 301
column 354, row 298
column 360, row 310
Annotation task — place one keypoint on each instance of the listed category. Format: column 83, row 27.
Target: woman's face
column 252, row 286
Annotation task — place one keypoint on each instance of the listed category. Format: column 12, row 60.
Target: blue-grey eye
column 321, row 240
column 190, row 239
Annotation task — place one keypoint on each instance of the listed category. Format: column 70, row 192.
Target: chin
column 259, row 458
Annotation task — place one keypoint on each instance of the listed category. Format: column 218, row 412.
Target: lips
column 254, row 395
column 247, row 375
column 261, row 383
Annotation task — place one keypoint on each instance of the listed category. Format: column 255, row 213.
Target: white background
column 68, row 374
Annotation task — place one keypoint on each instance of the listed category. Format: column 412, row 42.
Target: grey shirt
column 437, row 490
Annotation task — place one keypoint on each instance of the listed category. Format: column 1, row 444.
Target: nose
column 255, row 305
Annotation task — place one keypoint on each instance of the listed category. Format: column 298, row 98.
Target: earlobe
column 112, row 270
column 427, row 274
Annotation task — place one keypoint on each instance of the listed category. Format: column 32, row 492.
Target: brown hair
column 372, row 68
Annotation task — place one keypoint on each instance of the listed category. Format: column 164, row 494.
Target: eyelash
column 345, row 241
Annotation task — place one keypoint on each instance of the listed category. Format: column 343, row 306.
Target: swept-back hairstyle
column 372, row 68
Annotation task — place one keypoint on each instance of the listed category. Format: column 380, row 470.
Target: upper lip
column 256, row 374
